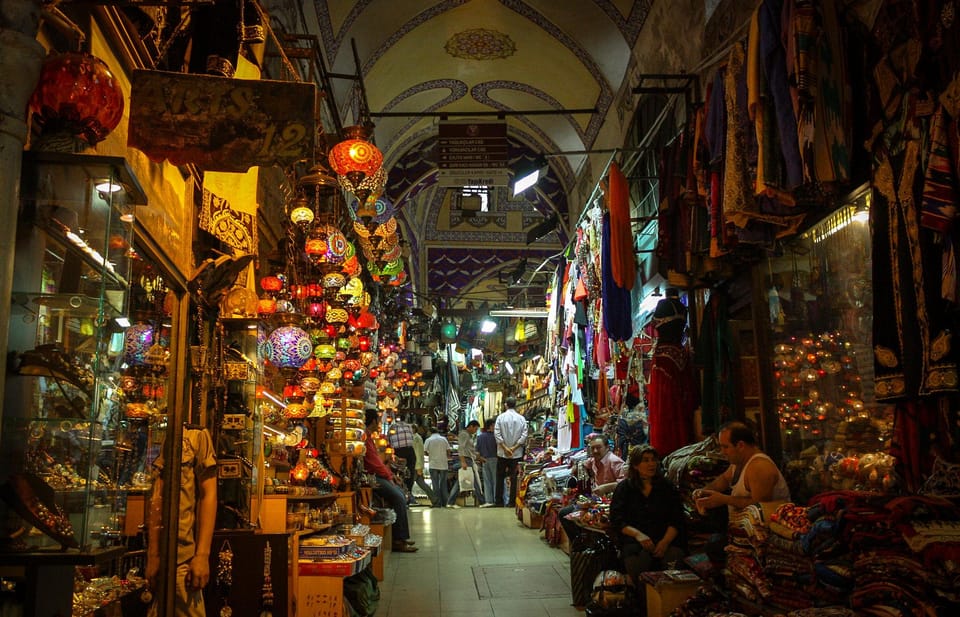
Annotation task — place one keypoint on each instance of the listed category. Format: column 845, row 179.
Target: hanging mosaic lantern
column 266, row 306
column 316, row 247
column 78, row 95
column 355, row 157
column 288, row 347
column 137, row 341
column 301, row 214
column 271, row 284
column 368, row 186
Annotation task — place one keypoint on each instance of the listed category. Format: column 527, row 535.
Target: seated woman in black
column 647, row 513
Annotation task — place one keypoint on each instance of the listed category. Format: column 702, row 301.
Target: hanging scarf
column 621, row 238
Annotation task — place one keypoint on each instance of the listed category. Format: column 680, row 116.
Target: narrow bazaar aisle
column 476, row 562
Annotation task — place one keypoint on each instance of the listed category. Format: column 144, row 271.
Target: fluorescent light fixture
column 529, row 313
column 488, row 326
column 123, row 322
column 527, row 174
column 509, row 367
column 861, row 214
column 525, row 182
column 108, row 186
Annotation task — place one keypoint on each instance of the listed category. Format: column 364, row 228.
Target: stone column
column 21, row 57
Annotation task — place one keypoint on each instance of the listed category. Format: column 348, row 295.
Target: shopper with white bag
column 468, row 478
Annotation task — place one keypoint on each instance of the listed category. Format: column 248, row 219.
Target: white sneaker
column 454, row 506
column 486, row 505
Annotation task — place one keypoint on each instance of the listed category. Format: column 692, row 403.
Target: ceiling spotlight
column 488, row 326
column 108, row 186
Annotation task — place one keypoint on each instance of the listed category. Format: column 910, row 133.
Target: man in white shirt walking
column 510, row 432
column 437, row 449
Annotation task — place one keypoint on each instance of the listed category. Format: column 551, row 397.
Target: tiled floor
column 471, row 553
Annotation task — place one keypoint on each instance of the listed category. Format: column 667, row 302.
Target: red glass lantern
column 292, row 392
column 355, row 157
column 363, row 342
column 315, row 248
column 266, row 306
column 271, row 284
column 78, row 94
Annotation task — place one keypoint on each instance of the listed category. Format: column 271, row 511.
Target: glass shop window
column 821, row 320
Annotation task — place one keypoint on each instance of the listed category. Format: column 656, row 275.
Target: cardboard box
column 531, row 519
column 668, row 590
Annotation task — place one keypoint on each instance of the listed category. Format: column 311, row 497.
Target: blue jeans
column 489, row 470
column 438, row 477
column 397, row 499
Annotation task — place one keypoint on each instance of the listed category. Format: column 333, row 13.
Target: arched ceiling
column 420, row 58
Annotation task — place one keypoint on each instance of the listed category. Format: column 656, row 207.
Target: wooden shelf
column 60, row 557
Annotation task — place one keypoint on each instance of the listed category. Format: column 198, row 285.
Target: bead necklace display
column 225, row 577
column 266, row 601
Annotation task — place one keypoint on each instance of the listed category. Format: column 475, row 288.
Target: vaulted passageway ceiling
column 420, row 58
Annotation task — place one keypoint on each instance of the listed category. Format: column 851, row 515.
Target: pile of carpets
column 876, row 554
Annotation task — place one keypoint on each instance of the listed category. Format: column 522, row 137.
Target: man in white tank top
column 752, row 477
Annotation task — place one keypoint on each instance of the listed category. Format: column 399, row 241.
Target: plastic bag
column 465, row 478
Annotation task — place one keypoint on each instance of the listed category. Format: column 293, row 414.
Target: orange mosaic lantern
column 355, row 157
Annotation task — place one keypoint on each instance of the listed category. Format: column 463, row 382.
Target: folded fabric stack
column 904, row 552
column 747, row 539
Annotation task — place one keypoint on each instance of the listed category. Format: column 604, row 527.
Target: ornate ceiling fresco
column 566, row 59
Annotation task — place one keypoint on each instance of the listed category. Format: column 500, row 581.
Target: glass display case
column 820, row 318
column 239, row 430
column 65, row 446
column 66, row 450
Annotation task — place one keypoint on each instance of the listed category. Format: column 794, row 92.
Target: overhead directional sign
column 473, row 153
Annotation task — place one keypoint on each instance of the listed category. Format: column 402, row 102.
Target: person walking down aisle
column 487, row 455
column 467, row 452
column 418, row 473
column 647, row 513
column 437, row 449
column 510, row 431
column 386, row 488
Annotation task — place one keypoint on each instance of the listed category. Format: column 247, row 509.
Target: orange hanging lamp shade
column 77, row 94
column 355, row 157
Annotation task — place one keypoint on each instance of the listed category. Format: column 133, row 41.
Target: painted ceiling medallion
column 480, row 44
